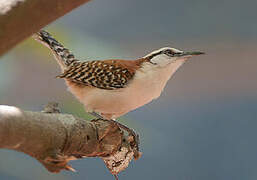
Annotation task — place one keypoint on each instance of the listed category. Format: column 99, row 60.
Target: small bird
column 112, row 88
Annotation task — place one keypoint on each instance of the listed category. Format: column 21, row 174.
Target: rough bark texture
column 19, row 19
column 54, row 139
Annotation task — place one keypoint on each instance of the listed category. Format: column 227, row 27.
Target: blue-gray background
column 204, row 124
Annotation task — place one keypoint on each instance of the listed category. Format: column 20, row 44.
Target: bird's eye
column 168, row 52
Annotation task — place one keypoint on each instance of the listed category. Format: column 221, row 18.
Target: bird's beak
column 189, row 54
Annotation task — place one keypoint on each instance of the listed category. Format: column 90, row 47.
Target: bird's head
column 167, row 55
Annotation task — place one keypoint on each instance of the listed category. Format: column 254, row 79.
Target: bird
column 113, row 87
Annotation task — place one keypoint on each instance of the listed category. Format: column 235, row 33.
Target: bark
column 54, row 139
column 19, row 19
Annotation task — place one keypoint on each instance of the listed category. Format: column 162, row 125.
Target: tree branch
column 54, row 139
column 19, row 19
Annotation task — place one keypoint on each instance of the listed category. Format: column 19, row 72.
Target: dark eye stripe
column 153, row 55
column 169, row 52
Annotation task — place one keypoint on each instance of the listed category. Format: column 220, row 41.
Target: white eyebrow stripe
column 159, row 51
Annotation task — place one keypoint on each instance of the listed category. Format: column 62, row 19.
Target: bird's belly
column 114, row 102
column 118, row 101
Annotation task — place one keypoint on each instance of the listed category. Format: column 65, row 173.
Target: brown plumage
column 107, row 74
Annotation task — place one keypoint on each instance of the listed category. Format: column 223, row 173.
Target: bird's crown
column 165, row 50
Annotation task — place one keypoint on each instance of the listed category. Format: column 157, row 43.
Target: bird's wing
column 108, row 74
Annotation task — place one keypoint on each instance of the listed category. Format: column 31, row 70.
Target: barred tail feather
column 63, row 56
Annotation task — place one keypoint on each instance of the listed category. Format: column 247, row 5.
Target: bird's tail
column 63, row 56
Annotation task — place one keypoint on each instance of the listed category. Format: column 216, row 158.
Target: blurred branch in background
column 21, row 18
column 54, row 139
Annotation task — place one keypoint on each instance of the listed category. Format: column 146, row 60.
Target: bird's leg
column 96, row 115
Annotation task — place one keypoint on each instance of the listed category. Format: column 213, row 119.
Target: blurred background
column 204, row 124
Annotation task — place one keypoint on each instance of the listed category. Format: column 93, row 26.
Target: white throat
column 154, row 79
column 161, row 60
